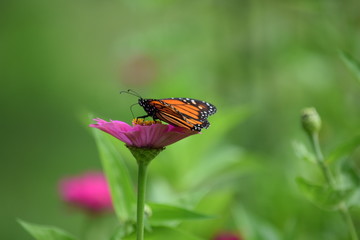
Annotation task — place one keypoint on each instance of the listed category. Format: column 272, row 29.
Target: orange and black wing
column 168, row 114
column 191, row 108
column 183, row 112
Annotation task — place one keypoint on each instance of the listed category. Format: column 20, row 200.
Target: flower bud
column 310, row 120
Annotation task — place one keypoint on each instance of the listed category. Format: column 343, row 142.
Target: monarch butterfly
column 181, row 112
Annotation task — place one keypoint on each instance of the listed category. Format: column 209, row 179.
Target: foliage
column 46, row 233
column 259, row 62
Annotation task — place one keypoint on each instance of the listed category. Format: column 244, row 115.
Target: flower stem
column 331, row 182
column 143, row 157
column 320, row 160
column 141, row 199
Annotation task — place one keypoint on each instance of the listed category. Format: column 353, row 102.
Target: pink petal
column 144, row 136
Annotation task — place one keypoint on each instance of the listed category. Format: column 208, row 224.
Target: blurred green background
column 261, row 60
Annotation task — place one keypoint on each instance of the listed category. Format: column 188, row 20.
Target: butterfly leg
column 145, row 116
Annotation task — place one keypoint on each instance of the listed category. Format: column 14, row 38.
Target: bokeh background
column 260, row 62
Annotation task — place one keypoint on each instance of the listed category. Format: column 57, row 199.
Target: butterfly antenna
column 132, row 113
column 131, row 92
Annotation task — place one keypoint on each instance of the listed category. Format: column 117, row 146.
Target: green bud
column 310, row 120
column 144, row 155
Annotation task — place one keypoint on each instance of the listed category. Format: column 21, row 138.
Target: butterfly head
column 142, row 102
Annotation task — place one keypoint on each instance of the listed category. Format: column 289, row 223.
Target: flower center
column 143, row 122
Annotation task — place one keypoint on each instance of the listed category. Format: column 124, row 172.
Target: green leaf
column 163, row 214
column 208, row 167
column 40, row 232
column 323, row 196
column 123, row 231
column 350, row 174
column 303, row 153
column 352, row 64
column 344, row 149
column 165, row 233
column 251, row 227
column 354, row 201
column 222, row 124
column 118, row 176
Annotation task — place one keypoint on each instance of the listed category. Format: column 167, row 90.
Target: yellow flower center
column 142, row 122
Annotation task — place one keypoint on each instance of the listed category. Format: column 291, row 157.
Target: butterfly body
column 181, row 112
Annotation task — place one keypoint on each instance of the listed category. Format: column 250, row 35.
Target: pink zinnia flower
column 143, row 134
column 227, row 236
column 145, row 140
column 89, row 191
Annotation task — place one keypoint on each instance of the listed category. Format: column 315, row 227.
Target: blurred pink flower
column 143, row 134
column 227, row 236
column 139, row 70
column 88, row 191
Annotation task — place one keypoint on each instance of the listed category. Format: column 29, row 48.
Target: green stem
column 320, row 160
column 346, row 215
column 141, row 199
column 331, row 182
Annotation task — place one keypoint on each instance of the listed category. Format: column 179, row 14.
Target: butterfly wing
column 185, row 112
column 169, row 114
column 191, row 108
column 182, row 112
